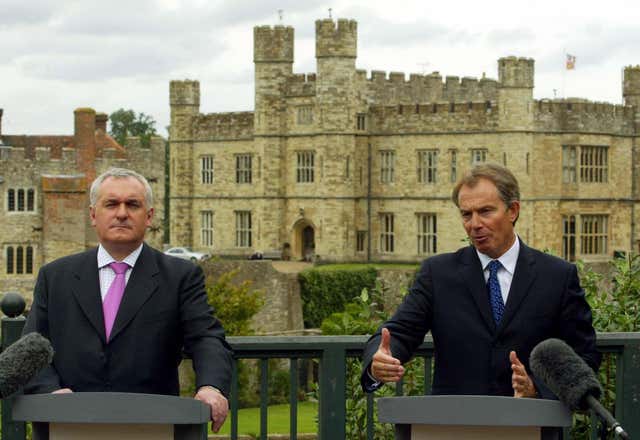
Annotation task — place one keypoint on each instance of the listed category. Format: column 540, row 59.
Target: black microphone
column 571, row 379
column 22, row 360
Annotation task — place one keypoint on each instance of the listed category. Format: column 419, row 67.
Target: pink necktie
column 111, row 301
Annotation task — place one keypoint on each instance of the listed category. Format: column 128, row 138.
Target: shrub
column 324, row 292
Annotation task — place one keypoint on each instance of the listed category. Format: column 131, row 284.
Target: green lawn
column 278, row 419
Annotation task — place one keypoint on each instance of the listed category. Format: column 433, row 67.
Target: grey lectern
column 474, row 417
column 122, row 416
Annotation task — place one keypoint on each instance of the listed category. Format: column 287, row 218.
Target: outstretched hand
column 384, row 367
column 522, row 384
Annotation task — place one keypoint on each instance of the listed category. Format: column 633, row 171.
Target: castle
column 344, row 166
column 44, row 187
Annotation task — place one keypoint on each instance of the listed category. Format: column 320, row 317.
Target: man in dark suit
column 119, row 316
column 486, row 305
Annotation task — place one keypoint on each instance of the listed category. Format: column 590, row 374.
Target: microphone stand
column 606, row 417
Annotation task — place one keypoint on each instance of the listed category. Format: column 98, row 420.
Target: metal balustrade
column 332, row 353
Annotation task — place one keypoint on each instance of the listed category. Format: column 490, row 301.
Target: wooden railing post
column 332, row 393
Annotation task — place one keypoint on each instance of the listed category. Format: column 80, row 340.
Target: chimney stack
column 101, row 121
column 85, row 141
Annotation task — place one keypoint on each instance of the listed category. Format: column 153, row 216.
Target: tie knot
column 494, row 265
column 119, row 268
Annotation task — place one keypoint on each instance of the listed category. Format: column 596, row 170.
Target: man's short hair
column 121, row 173
column 502, row 178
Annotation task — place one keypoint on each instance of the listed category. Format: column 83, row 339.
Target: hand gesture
column 384, row 367
column 522, row 384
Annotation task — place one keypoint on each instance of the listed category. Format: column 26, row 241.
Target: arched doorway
column 303, row 244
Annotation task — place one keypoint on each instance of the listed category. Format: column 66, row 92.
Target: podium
column 474, row 417
column 122, row 416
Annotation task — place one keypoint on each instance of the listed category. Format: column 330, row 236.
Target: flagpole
column 564, row 71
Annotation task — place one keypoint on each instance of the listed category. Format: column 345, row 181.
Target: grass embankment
column 277, row 419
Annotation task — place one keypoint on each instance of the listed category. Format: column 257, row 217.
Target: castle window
column 305, row 166
column 206, row 228
column 569, row 237
column 206, row 167
column 569, row 164
column 386, row 233
column 387, row 166
column 20, row 200
column 478, row 156
column 594, row 165
column 19, row 259
column 361, row 121
column 453, row 172
column 305, row 115
column 11, row 199
column 243, row 229
column 427, row 239
column 593, row 234
column 243, row 168
column 427, row 166
column 361, row 239
column 347, row 171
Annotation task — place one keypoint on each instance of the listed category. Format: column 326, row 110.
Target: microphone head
column 565, row 373
column 22, row 360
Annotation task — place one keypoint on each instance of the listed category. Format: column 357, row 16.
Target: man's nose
column 122, row 212
column 475, row 221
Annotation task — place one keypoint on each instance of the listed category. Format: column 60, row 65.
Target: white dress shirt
column 505, row 273
column 106, row 274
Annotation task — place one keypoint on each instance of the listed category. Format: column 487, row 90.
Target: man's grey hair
column 121, row 173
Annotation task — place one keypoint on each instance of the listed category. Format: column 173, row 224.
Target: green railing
column 332, row 352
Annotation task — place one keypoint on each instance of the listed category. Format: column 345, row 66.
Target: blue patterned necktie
column 495, row 294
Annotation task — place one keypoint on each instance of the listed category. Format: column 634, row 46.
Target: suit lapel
column 86, row 290
column 141, row 286
column 471, row 272
column 523, row 277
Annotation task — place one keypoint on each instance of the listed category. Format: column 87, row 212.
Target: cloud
column 16, row 13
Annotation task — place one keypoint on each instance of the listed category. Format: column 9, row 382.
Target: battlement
column 434, row 117
column 186, row 92
column 393, row 88
column 232, row 125
column 631, row 85
column 516, row 72
column 300, row 84
column 336, row 39
column 583, row 116
column 273, row 44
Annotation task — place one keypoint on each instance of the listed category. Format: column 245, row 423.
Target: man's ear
column 92, row 215
column 150, row 213
column 514, row 211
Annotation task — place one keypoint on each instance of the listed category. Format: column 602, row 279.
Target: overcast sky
column 57, row 55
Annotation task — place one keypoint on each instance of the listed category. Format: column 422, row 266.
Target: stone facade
column 44, row 193
column 345, row 166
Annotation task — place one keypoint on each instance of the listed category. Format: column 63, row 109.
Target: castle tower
column 273, row 60
column 336, row 51
column 515, row 93
column 631, row 87
column 184, row 99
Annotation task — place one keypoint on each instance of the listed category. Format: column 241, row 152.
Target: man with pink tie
column 119, row 316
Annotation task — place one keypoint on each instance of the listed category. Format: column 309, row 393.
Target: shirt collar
column 508, row 259
column 104, row 259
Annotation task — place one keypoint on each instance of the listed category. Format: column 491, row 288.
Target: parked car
column 187, row 254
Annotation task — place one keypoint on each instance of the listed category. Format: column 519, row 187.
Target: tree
column 126, row 123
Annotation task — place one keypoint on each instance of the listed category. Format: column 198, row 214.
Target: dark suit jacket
column 449, row 297
column 164, row 309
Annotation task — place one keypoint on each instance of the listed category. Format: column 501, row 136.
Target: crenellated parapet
column 393, row 88
column 336, row 39
column 273, row 44
column 516, row 72
column 583, row 116
column 433, row 117
column 233, row 125
column 301, row 85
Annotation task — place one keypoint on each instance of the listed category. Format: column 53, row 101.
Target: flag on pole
column 571, row 62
